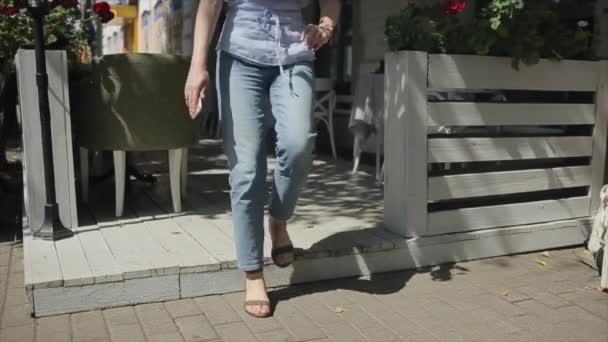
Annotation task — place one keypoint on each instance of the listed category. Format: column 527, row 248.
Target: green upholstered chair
column 134, row 102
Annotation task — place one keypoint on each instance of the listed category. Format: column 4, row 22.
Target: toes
column 258, row 310
column 263, row 310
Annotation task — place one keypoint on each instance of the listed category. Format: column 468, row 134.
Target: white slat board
column 508, row 182
column 442, row 150
column 74, row 266
column 61, row 131
column 600, row 139
column 101, row 260
column 502, row 114
column 460, row 220
column 45, row 268
column 208, row 235
column 483, row 72
column 405, row 143
column 191, row 256
column 137, row 253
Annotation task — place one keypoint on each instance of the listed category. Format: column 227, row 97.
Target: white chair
column 324, row 106
column 178, row 176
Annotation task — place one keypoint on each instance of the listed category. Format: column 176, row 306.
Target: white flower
column 582, row 23
column 520, row 4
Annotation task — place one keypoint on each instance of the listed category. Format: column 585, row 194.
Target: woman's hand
column 316, row 36
column 195, row 89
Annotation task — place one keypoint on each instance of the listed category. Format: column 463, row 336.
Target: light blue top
column 266, row 32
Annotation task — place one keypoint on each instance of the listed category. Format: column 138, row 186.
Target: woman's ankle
column 277, row 227
column 254, row 275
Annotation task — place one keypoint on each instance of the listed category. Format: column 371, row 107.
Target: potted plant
column 65, row 29
column 539, row 55
column 526, row 31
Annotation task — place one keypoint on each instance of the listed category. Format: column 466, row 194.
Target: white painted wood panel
column 484, row 72
column 74, row 266
column 101, row 260
column 405, row 143
column 90, row 297
column 565, row 234
column 502, row 114
column 508, row 182
column 27, row 259
column 460, row 220
column 445, row 150
column 137, row 253
column 61, row 132
column 191, row 256
column 45, row 269
column 132, row 261
column 210, row 237
column 600, row 139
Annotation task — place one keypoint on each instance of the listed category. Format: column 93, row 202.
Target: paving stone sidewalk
column 502, row 299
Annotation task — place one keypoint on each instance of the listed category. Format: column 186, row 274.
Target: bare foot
column 280, row 238
column 256, row 291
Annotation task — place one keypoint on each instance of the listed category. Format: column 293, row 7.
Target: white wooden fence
column 473, row 195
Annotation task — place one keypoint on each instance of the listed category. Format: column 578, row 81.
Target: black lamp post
column 52, row 228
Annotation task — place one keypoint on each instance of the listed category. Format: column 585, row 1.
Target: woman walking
column 264, row 75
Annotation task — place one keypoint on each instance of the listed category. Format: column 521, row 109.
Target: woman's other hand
column 195, row 90
column 316, row 36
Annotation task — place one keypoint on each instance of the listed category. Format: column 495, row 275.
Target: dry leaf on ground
column 339, row 309
column 541, row 262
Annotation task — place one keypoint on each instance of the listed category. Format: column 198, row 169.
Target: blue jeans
column 252, row 97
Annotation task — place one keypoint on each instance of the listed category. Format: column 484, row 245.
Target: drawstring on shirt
column 277, row 37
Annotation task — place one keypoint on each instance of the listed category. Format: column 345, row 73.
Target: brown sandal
column 280, row 251
column 260, row 303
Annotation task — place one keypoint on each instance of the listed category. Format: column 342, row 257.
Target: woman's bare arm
column 198, row 76
column 204, row 27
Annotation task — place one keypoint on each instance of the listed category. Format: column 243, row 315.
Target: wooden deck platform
column 153, row 255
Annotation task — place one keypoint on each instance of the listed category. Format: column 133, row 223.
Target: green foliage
column 62, row 30
column 523, row 30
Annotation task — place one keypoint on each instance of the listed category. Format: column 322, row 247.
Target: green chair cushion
column 133, row 102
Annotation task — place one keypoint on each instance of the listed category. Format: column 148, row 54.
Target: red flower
column 63, row 17
column 107, row 17
column 453, row 7
column 101, row 8
column 10, row 10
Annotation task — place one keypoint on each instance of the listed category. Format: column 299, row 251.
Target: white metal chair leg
column 120, row 169
column 84, row 174
column 332, row 141
column 175, row 165
column 378, row 149
column 604, row 274
column 184, row 172
column 356, row 164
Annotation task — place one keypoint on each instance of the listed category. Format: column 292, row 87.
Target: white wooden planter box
column 409, row 189
column 61, row 132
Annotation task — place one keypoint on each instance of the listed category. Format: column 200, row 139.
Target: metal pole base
column 52, row 228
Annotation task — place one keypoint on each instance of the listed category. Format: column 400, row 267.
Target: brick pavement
column 499, row 299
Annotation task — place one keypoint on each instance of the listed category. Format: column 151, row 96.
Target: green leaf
column 51, row 39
